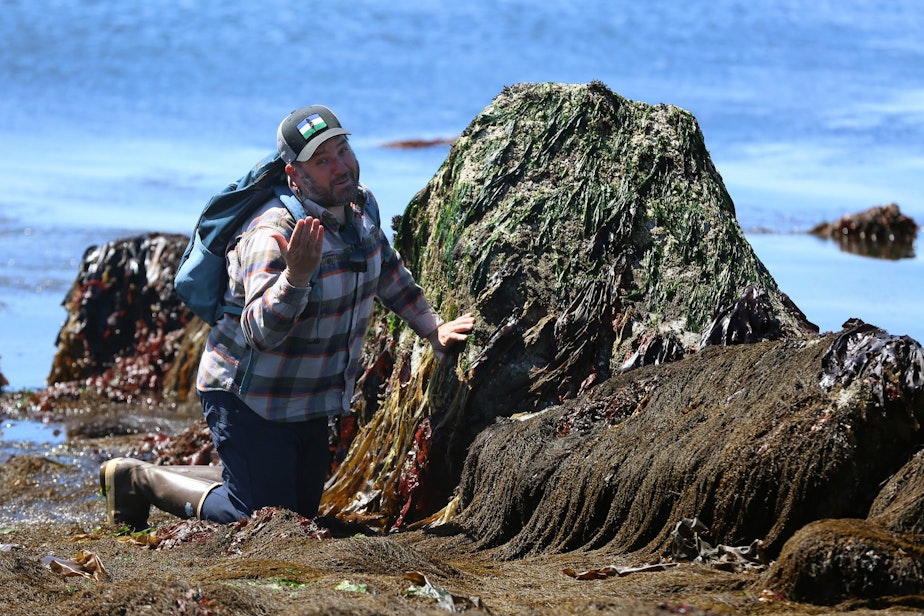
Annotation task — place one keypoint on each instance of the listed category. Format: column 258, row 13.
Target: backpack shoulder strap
column 370, row 206
column 295, row 207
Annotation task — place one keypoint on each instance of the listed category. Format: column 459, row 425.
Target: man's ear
column 294, row 176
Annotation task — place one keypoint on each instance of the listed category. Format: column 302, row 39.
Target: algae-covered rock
column 572, row 220
column 755, row 441
column 835, row 561
column 127, row 334
column 577, row 225
column 634, row 364
column 899, row 506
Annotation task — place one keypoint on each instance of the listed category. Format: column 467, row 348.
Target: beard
column 340, row 191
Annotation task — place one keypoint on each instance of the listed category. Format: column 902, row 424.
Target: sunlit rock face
column 573, row 220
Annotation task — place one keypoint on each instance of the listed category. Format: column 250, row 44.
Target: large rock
column 582, row 228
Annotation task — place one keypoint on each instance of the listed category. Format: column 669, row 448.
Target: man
column 270, row 378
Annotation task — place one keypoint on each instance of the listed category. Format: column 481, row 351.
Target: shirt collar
column 320, row 212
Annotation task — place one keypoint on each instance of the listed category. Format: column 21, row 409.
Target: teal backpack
column 202, row 277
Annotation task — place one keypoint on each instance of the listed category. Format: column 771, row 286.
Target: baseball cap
column 303, row 130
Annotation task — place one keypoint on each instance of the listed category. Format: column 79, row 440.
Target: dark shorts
column 266, row 463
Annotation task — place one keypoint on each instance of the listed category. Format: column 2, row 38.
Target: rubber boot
column 131, row 486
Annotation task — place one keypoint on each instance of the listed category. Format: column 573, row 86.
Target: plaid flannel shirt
column 294, row 353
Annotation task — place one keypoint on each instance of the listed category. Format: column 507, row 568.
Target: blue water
column 124, row 117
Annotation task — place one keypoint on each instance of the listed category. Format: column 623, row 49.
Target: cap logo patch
column 311, row 126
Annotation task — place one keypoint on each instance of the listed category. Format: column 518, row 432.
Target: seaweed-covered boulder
column 900, row 504
column 848, row 560
column 879, row 559
column 755, row 441
column 126, row 333
column 578, row 226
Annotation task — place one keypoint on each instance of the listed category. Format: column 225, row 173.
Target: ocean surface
column 118, row 118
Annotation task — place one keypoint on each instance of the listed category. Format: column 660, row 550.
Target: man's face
column 331, row 176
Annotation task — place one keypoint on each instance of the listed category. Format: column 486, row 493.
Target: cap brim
column 308, row 151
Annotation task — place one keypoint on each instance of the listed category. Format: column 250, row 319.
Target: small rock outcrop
column 899, row 506
column 837, row 561
column 881, row 231
column 126, row 334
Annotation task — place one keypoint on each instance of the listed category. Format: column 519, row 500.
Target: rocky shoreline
column 642, row 423
column 280, row 563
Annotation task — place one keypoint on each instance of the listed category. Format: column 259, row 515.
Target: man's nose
column 340, row 165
